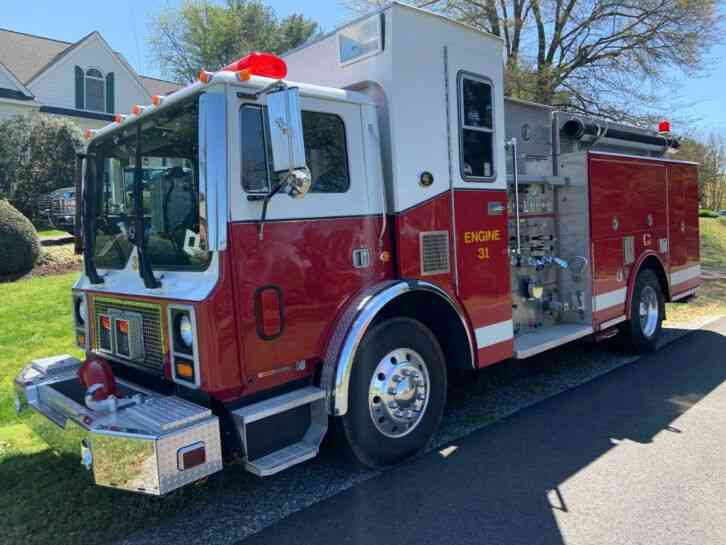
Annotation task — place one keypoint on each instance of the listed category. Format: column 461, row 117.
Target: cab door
column 294, row 273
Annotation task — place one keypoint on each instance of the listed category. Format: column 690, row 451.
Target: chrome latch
column 361, row 258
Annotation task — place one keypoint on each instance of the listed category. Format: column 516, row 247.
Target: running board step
column 283, row 431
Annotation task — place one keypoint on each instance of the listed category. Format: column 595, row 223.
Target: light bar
column 260, row 64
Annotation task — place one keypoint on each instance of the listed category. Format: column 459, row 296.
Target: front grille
column 151, row 326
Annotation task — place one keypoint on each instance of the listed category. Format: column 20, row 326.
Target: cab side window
column 326, row 152
column 476, row 126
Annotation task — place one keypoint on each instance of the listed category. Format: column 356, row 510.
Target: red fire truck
column 264, row 258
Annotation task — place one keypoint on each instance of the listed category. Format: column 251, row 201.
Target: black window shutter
column 79, row 88
column 110, row 93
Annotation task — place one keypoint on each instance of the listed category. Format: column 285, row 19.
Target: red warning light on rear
column 664, row 126
column 260, row 64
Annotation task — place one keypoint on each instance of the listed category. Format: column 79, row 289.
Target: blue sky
column 124, row 24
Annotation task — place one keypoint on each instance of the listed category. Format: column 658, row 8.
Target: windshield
column 170, row 192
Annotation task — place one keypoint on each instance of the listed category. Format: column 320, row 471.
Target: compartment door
column 479, row 179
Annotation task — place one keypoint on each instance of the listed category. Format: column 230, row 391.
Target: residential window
column 95, row 90
column 476, row 120
column 326, row 151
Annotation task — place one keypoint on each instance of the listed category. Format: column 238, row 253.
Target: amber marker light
column 244, row 75
column 119, row 118
column 137, row 109
column 88, row 133
column 205, row 77
column 157, row 99
column 184, row 370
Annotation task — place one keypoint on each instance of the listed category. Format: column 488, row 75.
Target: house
column 86, row 81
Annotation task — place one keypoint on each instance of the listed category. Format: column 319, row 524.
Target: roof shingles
column 26, row 55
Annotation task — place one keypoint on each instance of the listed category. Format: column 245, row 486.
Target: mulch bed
column 57, row 259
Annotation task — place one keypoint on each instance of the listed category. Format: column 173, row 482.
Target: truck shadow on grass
column 494, row 487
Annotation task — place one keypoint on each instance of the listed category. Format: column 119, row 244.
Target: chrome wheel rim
column 648, row 311
column 399, row 392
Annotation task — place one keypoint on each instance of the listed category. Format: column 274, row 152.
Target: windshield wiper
column 145, row 270
column 88, row 203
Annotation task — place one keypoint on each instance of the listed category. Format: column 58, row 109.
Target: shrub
column 703, row 213
column 37, row 156
column 19, row 244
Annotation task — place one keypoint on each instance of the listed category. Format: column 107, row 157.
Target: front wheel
column 397, row 393
column 647, row 310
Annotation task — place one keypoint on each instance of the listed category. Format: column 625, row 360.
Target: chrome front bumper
column 139, row 447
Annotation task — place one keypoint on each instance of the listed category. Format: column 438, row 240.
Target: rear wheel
column 647, row 309
column 397, row 393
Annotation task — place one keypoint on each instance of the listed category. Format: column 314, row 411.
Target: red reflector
column 191, row 456
column 269, row 311
column 260, row 64
column 664, row 126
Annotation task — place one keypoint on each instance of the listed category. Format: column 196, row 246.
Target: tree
column 610, row 58
column 37, row 155
column 710, row 153
column 202, row 35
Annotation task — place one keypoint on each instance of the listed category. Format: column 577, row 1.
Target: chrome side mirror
column 284, row 118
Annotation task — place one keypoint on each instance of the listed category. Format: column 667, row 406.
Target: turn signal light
column 184, row 369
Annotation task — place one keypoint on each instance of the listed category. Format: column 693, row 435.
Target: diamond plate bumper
column 137, row 447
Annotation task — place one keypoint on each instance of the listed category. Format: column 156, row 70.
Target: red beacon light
column 260, row 64
column 664, row 126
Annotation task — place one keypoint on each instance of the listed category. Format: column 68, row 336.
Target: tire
column 647, row 310
column 403, row 354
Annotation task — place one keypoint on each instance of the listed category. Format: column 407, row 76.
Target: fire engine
column 317, row 240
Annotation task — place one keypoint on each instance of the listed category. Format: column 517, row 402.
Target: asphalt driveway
column 636, row 456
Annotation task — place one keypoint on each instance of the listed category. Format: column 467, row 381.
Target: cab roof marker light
column 205, row 77
column 157, row 99
column 120, row 118
column 138, row 109
column 89, row 133
column 244, row 75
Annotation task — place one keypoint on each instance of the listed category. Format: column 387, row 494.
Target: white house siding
column 10, row 108
column 56, row 86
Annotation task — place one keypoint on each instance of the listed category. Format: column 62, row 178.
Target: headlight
column 186, row 332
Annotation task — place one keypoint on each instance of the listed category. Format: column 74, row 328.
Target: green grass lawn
column 52, row 233
column 713, row 242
